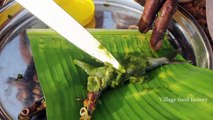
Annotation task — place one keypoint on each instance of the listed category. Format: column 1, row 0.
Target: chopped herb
column 100, row 78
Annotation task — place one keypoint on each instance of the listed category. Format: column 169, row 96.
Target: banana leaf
column 176, row 91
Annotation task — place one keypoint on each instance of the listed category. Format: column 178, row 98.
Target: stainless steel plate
column 16, row 58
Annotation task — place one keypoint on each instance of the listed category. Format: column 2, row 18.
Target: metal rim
column 202, row 33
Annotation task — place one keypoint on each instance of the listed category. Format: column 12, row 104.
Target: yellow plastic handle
column 80, row 10
column 9, row 12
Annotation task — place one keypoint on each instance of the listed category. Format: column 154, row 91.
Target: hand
column 2, row 2
column 163, row 11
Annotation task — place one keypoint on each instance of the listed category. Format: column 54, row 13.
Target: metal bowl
column 16, row 58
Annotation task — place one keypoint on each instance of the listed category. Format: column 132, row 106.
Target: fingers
column 162, row 22
column 141, row 2
column 150, row 9
column 2, row 2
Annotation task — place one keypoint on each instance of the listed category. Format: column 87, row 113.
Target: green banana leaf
column 176, row 91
